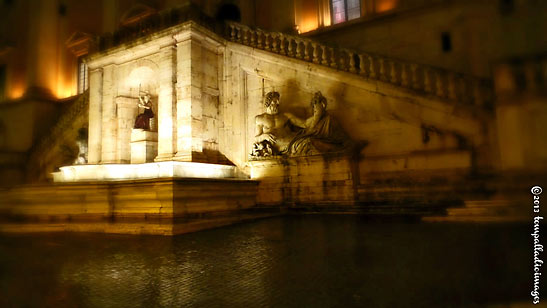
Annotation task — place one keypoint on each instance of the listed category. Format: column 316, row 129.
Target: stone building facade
column 429, row 124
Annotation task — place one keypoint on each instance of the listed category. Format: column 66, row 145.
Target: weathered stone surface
column 144, row 146
column 318, row 180
column 167, row 206
column 168, row 169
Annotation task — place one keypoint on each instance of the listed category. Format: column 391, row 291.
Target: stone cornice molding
column 153, row 43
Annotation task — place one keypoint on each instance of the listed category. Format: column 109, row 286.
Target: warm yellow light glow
column 308, row 24
column 64, row 91
column 326, row 20
column 141, row 78
column 308, row 17
column 385, row 5
column 168, row 169
column 17, row 91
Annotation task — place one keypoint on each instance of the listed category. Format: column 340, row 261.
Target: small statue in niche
column 81, row 141
column 320, row 133
column 143, row 119
column 273, row 130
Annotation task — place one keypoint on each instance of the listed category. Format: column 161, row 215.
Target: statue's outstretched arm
column 296, row 120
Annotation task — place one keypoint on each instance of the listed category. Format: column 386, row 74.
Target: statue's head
column 271, row 102
column 318, row 102
column 146, row 97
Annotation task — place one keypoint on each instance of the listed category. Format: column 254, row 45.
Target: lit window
column 83, row 82
column 344, row 10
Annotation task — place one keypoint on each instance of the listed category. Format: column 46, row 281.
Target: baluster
column 259, row 39
column 315, row 53
column 267, row 41
column 478, row 98
column 342, row 65
column 245, row 36
column 325, row 60
column 306, row 51
column 352, row 64
column 427, row 80
column 530, row 76
column 282, row 44
column 464, row 97
column 239, row 35
column 393, row 72
column 274, row 43
column 332, row 58
column 451, row 86
column 289, row 47
column 439, row 89
column 414, row 74
column 298, row 49
column 362, row 65
column 232, row 33
column 381, row 63
column 253, row 39
column 372, row 71
column 404, row 75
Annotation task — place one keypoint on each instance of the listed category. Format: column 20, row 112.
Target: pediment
column 137, row 13
column 78, row 43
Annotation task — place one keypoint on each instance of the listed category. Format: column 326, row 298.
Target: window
column 446, row 42
column 344, row 10
column 83, row 82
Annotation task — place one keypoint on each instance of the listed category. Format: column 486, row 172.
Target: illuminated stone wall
column 179, row 68
column 208, row 91
column 395, row 122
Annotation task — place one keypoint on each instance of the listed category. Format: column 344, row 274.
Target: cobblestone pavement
column 301, row 261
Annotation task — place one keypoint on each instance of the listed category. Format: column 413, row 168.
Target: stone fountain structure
column 192, row 127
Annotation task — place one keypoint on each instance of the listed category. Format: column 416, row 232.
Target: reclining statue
column 320, row 133
column 273, row 130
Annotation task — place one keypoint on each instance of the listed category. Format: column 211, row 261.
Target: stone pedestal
column 157, row 206
column 144, row 146
column 312, row 180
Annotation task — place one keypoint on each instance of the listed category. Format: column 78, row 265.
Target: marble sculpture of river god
column 289, row 135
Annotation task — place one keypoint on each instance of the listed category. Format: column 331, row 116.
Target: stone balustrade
column 64, row 124
column 426, row 79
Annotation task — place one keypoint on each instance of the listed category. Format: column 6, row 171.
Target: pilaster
column 189, row 97
column 109, row 119
column 95, row 115
column 167, row 109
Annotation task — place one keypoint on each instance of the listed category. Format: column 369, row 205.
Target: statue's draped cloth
column 325, row 136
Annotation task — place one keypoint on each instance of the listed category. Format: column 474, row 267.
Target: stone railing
column 521, row 75
column 433, row 81
column 62, row 125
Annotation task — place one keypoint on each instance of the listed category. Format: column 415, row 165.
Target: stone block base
column 144, row 146
column 167, row 207
column 312, row 180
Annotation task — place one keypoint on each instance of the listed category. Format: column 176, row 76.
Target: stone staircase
column 511, row 201
column 484, row 211
column 46, row 151
column 424, row 79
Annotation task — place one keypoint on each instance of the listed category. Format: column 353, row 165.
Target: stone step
column 489, row 203
column 370, row 210
column 505, row 210
column 474, row 218
column 484, row 211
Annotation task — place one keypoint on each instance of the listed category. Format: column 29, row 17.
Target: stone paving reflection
column 309, row 261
